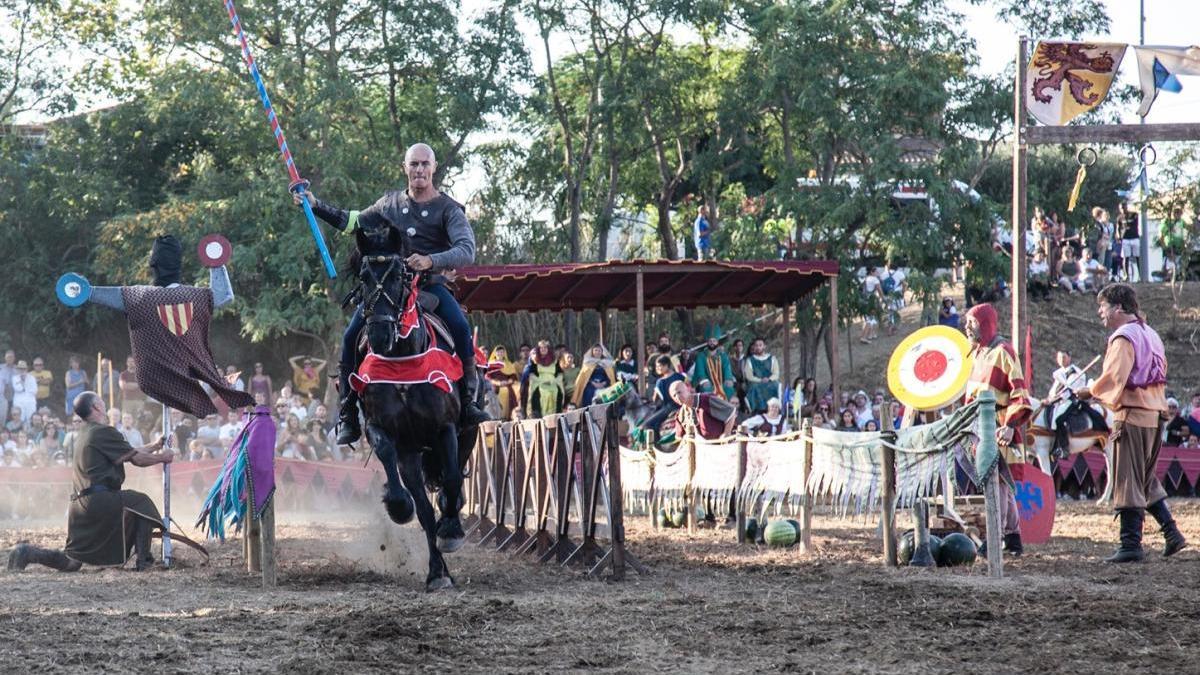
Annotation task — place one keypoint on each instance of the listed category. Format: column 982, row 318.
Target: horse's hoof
column 400, row 508
column 450, row 545
column 450, row 535
column 439, row 584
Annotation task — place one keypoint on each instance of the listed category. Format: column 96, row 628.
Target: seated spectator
column 1039, row 277
column 24, row 449
column 130, row 431
column 1176, row 430
column 770, row 423
column 1092, row 273
column 298, row 407
column 195, row 451
column 231, row 428
column 184, row 428
column 1193, row 441
column 14, row 423
column 36, row 427
column 9, row 459
column 820, row 421
column 209, row 435
column 317, row 438
column 321, row 416
column 862, row 409
column 290, row 443
column 234, row 377
column 847, row 421
column 948, row 314
column 1068, row 271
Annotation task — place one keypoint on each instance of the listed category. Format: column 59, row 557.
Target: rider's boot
column 468, row 393
column 349, row 429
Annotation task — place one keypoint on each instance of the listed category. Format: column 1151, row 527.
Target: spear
column 298, row 184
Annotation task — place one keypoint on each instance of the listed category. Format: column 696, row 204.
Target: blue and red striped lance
column 298, row 184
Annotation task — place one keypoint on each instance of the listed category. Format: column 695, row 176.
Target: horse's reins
column 371, row 299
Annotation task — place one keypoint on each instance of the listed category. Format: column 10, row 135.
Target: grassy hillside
column 1068, row 321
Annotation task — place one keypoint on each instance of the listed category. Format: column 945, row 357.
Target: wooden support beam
column 806, row 502
column 641, row 333
column 832, row 338
column 888, row 507
column 1020, row 173
column 1111, row 133
column 787, row 346
column 524, row 287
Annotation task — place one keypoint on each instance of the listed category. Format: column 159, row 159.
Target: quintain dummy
column 168, row 331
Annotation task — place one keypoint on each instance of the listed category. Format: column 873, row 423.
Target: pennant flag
column 1067, row 79
column 1159, row 67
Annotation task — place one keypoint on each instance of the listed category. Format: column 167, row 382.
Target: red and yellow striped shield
column 177, row 317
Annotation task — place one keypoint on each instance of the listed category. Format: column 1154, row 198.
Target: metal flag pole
column 166, row 535
column 298, row 184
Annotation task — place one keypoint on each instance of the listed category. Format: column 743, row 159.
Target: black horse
column 412, row 428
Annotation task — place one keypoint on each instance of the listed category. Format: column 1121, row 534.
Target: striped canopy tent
column 640, row 284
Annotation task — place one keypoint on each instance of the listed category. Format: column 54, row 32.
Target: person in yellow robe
column 595, row 374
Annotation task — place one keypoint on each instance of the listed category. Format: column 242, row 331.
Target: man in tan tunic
column 1133, row 386
column 105, row 523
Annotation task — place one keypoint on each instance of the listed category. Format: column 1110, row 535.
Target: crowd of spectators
column 39, row 429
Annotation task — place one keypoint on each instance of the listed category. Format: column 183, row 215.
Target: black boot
column 1166, row 524
column 468, row 393
column 24, row 555
column 1012, row 544
column 143, row 557
column 1131, row 537
column 349, row 429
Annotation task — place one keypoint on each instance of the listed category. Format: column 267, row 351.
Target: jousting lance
column 298, row 184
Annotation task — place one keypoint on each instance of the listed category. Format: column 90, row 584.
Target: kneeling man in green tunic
column 105, row 523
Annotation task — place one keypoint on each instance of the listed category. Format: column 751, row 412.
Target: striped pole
column 298, row 184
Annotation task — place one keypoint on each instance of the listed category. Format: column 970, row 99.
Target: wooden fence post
column 739, row 509
column 888, row 512
column 806, row 500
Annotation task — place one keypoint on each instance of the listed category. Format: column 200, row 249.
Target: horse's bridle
column 372, row 296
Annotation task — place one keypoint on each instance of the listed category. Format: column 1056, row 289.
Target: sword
column 1067, row 388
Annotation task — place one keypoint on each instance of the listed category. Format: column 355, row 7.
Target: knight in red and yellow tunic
column 997, row 369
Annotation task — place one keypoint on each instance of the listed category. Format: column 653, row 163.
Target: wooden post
column 112, row 386
column 738, row 509
column 641, row 333
column 600, row 325
column 267, row 535
column 690, row 501
column 806, row 502
column 253, row 541
column 1020, row 169
column 987, row 444
column 888, row 512
column 787, row 349
column 616, row 499
column 834, row 365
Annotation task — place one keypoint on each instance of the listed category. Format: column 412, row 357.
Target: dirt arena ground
column 709, row 606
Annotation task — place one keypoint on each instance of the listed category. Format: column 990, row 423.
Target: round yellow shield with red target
column 929, row 369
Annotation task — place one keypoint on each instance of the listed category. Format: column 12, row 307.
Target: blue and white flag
column 1159, row 68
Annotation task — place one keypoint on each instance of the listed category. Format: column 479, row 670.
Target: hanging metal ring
column 1086, row 156
column 1147, row 155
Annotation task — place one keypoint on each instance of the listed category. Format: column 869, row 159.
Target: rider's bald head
column 420, row 151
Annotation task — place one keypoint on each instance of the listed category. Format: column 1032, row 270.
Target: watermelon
column 780, row 533
column 796, row 526
column 762, row 531
column 956, row 549
column 679, row 518
column 905, row 550
column 908, row 546
column 664, row 520
column 751, row 529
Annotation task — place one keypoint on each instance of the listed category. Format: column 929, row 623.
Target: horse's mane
column 376, row 235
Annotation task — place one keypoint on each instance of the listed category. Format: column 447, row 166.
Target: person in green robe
column 712, row 371
column 761, row 371
column 105, row 523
